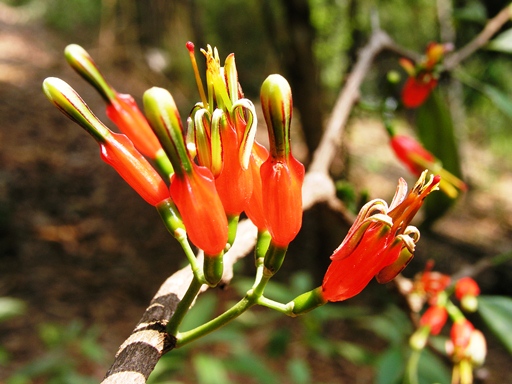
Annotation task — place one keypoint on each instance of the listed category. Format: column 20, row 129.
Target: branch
column 331, row 140
column 480, row 40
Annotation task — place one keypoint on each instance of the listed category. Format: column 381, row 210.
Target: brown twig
column 331, row 140
column 480, row 40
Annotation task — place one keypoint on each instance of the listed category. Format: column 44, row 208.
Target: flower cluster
column 215, row 168
column 380, row 243
column 423, row 76
column 466, row 345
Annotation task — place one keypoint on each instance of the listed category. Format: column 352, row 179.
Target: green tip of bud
column 393, row 77
column 67, row 100
column 164, row 119
column 419, row 338
column 82, row 62
column 277, row 105
column 469, row 303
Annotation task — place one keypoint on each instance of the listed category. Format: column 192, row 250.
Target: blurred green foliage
column 72, row 354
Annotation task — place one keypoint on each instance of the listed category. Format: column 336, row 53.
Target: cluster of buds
column 424, row 75
column 215, row 169
column 466, row 345
column 416, row 159
column 212, row 170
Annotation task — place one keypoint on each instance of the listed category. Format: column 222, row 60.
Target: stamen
column 199, row 82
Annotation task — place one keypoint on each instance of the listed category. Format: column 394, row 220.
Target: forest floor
column 77, row 244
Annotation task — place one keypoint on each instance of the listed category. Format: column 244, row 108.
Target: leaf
column 496, row 311
column 202, row 311
column 299, row 371
column 390, row 366
column 502, row 42
column 436, row 132
column 356, row 354
column 500, row 99
column 210, row 370
column 431, row 369
column 252, row 366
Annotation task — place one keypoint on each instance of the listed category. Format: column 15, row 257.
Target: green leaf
column 496, row 311
column 299, row 371
column 354, row 353
column 431, row 369
column 252, row 366
column 500, row 99
column 436, row 132
column 202, row 311
column 502, row 42
column 210, row 370
column 390, row 366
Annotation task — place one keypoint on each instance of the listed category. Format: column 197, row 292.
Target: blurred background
column 81, row 254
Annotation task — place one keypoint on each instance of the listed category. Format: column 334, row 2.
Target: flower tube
column 192, row 186
column 116, row 149
column 416, row 158
column 375, row 241
column 121, row 108
column 281, row 174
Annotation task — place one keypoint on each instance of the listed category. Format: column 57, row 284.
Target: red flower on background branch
column 423, row 76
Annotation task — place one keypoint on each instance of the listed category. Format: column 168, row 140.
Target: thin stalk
column 184, row 306
column 184, row 338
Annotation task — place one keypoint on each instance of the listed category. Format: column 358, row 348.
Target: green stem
column 411, row 371
column 184, row 306
column 286, row 309
column 183, row 338
column 191, row 257
column 454, row 312
column 262, row 245
column 274, row 258
column 253, row 296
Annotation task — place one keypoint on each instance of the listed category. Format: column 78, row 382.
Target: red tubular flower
column 412, row 154
column 234, row 184
column 423, row 76
column 254, row 208
column 460, row 334
column 416, row 158
column 428, row 285
column 201, row 209
column 375, row 241
column 434, row 317
column 119, row 152
column 116, row 149
column 121, row 108
column 417, row 89
column 466, row 287
column 281, row 174
column 192, row 186
column 126, row 115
